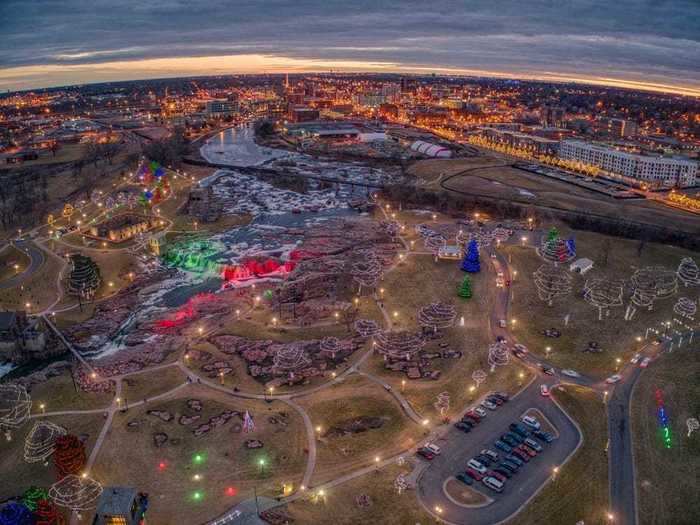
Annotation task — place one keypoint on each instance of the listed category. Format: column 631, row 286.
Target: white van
column 531, row 422
column 432, row 447
column 493, row 483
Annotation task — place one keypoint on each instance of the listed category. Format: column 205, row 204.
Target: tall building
column 618, row 127
column 552, row 116
column 220, row 108
column 656, row 171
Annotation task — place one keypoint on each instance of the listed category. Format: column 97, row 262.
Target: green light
column 198, row 459
column 197, row 496
column 262, row 462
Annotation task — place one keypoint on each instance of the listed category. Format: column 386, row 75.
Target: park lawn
column 429, row 172
column 666, row 492
column 39, row 289
column 10, row 257
column 580, row 491
column 20, row 475
column 151, row 383
column 420, row 281
column 617, row 337
column 339, row 506
column 353, row 398
column 59, row 393
column 129, row 457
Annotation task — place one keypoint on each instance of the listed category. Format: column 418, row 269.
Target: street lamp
column 523, row 240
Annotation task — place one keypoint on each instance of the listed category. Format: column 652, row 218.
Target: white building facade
column 662, row 171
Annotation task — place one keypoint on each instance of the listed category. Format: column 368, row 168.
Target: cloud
column 637, row 40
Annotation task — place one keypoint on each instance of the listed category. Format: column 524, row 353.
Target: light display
column 479, row 376
column 471, row 262
column 498, row 355
column 685, row 307
column 603, row 294
column 552, row 282
column 290, row 358
column 662, row 418
column 32, row 496
column 14, row 513
column 398, row 345
column 555, row 249
column 648, row 285
column 330, row 346
column 367, row 272
column 366, row 327
column 248, row 423
column 193, row 255
column 688, row 272
column 435, row 242
column 75, row 493
column 693, row 424
column 68, row 456
column 437, row 316
column 15, row 405
column 187, row 312
column 465, row 289
column 41, row 441
column 252, row 269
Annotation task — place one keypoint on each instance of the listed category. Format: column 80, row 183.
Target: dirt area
column 345, row 505
column 228, row 470
column 463, row 493
column 615, row 336
column 580, row 490
column 665, row 490
column 336, row 407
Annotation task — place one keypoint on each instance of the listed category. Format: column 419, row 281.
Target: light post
column 617, row 363
column 43, row 408
column 221, row 378
column 523, row 240
column 521, row 376
column 547, row 350
column 472, row 389
column 555, row 471
column 605, row 397
column 318, row 432
column 403, row 385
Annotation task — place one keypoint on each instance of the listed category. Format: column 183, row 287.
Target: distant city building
column 552, row 116
column 303, row 114
column 618, row 127
column 431, row 150
column 220, row 108
column 453, row 103
column 534, row 144
column 369, row 100
column 661, row 171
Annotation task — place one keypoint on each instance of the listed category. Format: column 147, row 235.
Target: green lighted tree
column 553, row 234
column 465, row 289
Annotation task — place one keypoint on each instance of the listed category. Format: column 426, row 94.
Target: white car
column 520, row 348
column 472, row 463
column 544, row 390
column 645, row 362
column 432, row 447
column 480, row 411
column 487, row 404
column 570, row 373
column 531, row 422
column 613, row 379
column 635, row 359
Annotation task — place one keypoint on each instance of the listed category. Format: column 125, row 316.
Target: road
column 36, row 259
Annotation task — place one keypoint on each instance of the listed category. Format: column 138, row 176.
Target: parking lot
column 458, row 447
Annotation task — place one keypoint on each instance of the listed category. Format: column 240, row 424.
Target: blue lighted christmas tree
column 471, row 259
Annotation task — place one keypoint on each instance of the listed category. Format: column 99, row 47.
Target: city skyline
column 633, row 44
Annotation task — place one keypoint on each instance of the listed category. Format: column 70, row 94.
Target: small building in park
column 450, row 251
column 581, row 265
column 121, row 506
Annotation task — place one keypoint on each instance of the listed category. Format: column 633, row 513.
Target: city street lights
column 617, row 363
column 523, row 240
column 403, row 385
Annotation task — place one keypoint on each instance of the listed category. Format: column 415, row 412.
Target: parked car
column 490, row 453
column 487, row 404
column 570, row 373
column 522, row 455
column 474, row 464
column 533, row 444
column 635, row 359
column 502, row 395
column 432, row 447
column 518, row 428
column 474, row 414
column 503, row 471
column 515, row 459
column 474, row 474
column 520, row 348
column 547, row 370
column 500, row 445
column 509, row 466
column 469, row 419
column 464, row 427
column 645, row 362
column 464, row 478
column 517, row 437
column 613, row 379
column 543, row 436
column 507, row 439
column 531, row 422
column 544, row 390
column 527, row 450
column 425, row 453
column 483, row 459
column 495, row 400
column 502, row 323
column 493, row 484
column 500, row 477
column 480, row 412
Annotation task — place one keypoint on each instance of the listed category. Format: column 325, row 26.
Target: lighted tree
column 498, row 355
column 15, row 513
column 15, row 405
column 688, row 272
column 290, row 358
column 41, row 441
column 69, row 455
column 465, row 289
column 471, row 258
column 685, row 307
column 435, row 242
column 649, row 284
column 330, row 346
column 46, row 513
column 75, row 492
column 603, row 294
column 398, row 345
column 367, row 272
column 555, row 249
column 437, row 316
column 479, row 376
column 366, row 327
column 552, row 282
column 32, row 496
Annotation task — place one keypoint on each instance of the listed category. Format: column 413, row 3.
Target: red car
column 425, row 453
column 522, row 455
column 527, row 450
column 474, row 474
column 473, row 415
column 498, row 476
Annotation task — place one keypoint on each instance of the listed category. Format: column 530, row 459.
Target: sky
column 645, row 44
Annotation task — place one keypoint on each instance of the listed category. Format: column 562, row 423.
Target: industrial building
column 431, row 150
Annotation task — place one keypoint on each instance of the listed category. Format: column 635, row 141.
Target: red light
column 230, row 491
column 162, row 465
